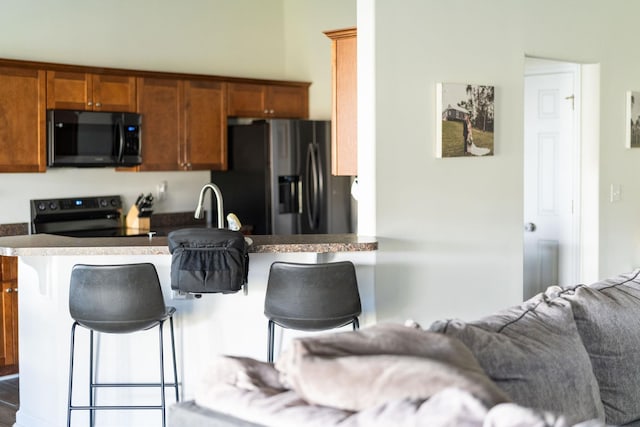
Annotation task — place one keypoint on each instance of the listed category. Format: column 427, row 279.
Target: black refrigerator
column 279, row 179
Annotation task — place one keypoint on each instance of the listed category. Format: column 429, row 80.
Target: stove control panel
column 75, row 204
column 75, row 215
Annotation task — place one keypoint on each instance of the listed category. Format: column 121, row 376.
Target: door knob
column 530, row 227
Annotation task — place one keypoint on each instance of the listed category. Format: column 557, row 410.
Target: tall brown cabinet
column 344, row 117
column 22, row 120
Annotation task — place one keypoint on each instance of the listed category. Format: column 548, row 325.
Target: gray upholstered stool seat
column 311, row 297
column 118, row 299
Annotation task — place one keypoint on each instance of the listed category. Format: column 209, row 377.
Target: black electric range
column 79, row 217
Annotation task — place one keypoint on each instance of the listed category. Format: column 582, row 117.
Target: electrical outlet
column 161, row 191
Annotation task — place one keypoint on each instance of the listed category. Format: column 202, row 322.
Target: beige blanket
column 359, row 370
column 397, row 375
column 448, row 408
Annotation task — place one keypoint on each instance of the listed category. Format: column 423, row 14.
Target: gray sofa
column 567, row 357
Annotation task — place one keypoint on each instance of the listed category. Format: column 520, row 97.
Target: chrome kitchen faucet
column 199, row 214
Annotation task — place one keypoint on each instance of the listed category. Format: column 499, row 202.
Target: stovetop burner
column 78, row 216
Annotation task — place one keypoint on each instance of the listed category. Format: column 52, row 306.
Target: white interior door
column 550, row 159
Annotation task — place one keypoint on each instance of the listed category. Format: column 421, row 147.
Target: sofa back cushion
column 535, row 354
column 607, row 314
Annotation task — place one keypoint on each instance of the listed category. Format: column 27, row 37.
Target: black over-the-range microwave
column 93, row 138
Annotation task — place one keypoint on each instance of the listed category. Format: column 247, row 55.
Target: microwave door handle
column 120, row 137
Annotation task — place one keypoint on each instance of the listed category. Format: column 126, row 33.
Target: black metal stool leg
column 173, row 352
column 92, row 413
column 162, row 391
column 356, row 324
column 270, row 343
column 71, row 350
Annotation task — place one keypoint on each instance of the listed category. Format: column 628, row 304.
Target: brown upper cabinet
column 184, row 115
column 90, row 92
column 184, row 124
column 268, row 100
column 23, row 135
column 344, row 111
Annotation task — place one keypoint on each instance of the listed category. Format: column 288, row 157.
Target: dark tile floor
column 9, row 401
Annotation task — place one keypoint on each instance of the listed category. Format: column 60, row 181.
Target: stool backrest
column 312, row 296
column 116, row 298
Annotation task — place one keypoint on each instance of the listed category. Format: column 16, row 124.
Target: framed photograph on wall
column 465, row 121
column 633, row 120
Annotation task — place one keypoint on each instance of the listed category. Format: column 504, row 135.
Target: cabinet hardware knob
column 98, row 104
column 15, row 289
column 9, row 290
column 89, row 103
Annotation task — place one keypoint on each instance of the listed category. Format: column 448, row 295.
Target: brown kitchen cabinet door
column 114, row 93
column 184, row 124
column 205, row 142
column 9, row 316
column 288, row 101
column 344, row 116
column 268, row 100
column 246, row 100
column 22, row 120
column 90, row 92
column 160, row 102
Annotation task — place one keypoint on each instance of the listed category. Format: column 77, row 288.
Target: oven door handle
column 120, row 138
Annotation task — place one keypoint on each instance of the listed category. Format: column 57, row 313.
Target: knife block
column 135, row 221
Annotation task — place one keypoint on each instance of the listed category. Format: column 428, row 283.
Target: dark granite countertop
column 49, row 245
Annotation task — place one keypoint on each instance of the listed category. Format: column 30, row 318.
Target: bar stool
column 118, row 299
column 311, row 297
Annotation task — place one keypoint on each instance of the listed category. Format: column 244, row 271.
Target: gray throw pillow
column 607, row 314
column 534, row 353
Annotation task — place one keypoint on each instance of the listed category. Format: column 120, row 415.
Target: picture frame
column 632, row 133
column 465, row 120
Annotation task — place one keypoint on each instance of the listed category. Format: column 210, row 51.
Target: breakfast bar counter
column 211, row 325
column 48, row 244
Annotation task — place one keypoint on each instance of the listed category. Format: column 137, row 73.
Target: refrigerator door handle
column 313, row 187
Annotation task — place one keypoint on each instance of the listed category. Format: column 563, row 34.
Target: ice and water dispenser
column 289, row 194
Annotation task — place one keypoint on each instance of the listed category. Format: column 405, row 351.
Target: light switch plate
column 616, row 193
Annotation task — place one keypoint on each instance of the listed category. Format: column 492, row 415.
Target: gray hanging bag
column 208, row 260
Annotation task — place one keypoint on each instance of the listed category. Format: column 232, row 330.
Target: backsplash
column 181, row 219
column 160, row 220
column 14, row 229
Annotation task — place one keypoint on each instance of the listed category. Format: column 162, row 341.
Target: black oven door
column 93, row 139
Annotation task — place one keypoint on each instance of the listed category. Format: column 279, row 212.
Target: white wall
column 239, row 37
column 308, row 50
column 450, row 230
column 272, row 39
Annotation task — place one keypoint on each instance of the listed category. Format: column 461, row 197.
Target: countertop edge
column 50, row 245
